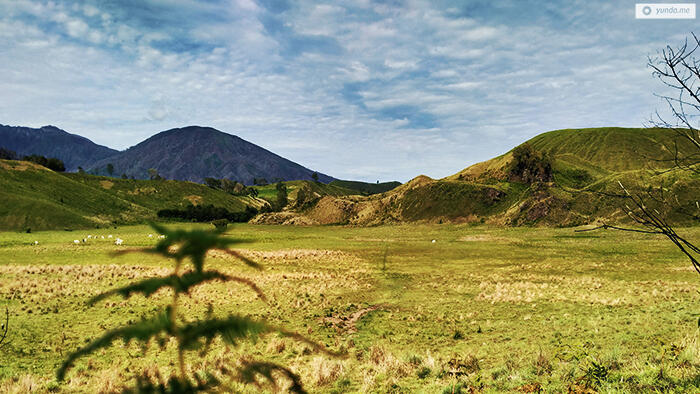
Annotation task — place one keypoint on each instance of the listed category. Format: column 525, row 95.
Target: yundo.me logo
column 665, row 11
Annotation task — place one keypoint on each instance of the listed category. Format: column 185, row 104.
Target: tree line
column 231, row 187
column 51, row 163
column 207, row 213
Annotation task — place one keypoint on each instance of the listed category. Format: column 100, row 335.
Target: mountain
column 37, row 198
column 50, row 141
column 578, row 185
column 193, row 153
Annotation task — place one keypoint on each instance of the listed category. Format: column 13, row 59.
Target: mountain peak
column 193, row 153
column 52, row 127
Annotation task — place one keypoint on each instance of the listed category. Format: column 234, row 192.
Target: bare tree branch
column 679, row 70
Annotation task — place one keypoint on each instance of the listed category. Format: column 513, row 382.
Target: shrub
column 51, row 163
column 220, row 224
column 466, row 366
column 6, row 154
column 281, row 199
column 530, row 166
column 542, row 365
column 167, row 325
column 423, row 372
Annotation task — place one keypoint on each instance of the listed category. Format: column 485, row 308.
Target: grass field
column 480, row 309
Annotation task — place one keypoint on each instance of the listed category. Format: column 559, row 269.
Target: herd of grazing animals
column 117, row 240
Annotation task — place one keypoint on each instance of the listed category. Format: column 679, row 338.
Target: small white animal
column 150, row 235
column 433, row 241
column 76, row 242
column 36, row 242
column 103, row 237
column 119, row 241
column 84, row 240
column 89, row 236
column 161, row 236
column 109, row 236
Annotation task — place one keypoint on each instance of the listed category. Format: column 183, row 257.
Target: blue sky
column 361, row 89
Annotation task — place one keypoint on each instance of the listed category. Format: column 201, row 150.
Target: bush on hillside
column 530, row 166
column 220, row 224
column 233, row 188
column 281, row 199
column 6, row 154
column 51, row 163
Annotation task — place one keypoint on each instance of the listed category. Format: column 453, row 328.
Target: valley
column 485, row 308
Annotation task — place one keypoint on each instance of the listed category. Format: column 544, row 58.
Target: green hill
column 611, row 148
column 586, row 166
column 155, row 195
column 37, row 198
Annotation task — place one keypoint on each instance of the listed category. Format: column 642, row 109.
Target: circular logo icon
column 646, row 10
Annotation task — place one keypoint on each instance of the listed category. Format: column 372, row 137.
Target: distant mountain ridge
column 193, row 153
column 189, row 153
column 50, row 141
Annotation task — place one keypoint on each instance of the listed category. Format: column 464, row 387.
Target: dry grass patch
column 16, row 165
column 23, row 384
column 304, row 255
column 326, row 371
column 587, row 290
column 483, row 238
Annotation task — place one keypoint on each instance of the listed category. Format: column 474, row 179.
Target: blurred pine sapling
column 165, row 325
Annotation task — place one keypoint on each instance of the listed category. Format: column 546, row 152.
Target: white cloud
column 481, row 33
column 321, row 88
column 90, row 10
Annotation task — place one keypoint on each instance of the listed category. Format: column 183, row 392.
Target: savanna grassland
column 480, row 309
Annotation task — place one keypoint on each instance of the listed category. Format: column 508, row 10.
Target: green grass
column 612, row 148
column 39, row 199
column 155, row 195
column 512, row 307
column 449, row 200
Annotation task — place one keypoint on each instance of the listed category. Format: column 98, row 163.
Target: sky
column 359, row 89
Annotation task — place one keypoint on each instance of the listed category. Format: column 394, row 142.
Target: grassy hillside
column 37, row 198
column 155, row 195
column 599, row 151
column 269, row 192
column 611, row 148
column 365, row 187
column 586, row 166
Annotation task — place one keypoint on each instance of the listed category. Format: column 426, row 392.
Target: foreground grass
column 480, row 309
